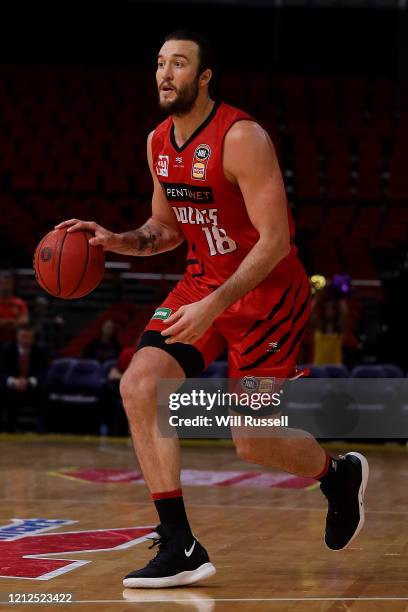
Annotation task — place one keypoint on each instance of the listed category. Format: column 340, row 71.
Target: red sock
column 167, row 494
column 325, row 468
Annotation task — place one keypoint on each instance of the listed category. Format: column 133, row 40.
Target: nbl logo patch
column 262, row 384
column 250, row 383
column 200, row 162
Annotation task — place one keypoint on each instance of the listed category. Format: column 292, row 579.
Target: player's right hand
column 102, row 237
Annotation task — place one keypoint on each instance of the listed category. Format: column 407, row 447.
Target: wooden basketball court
column 264, row 533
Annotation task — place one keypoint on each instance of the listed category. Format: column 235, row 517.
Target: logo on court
column 162, row 167
column 162, row 313
column 27, row 551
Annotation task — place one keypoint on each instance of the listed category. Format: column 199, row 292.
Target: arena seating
column 337, row 371
column 130, row 320
column 74, row 388
column 368, row 371
column 57, row 377
column 73, row 144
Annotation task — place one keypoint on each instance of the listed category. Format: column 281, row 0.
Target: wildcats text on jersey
column 195, row 216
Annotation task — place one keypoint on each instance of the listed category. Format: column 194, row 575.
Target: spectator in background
column 49, row 327
column 13, row 310
column 329, row 321
column 23, row 368
column 106, row 346
column 113, row 416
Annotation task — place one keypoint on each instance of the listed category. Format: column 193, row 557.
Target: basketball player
column 217, row 184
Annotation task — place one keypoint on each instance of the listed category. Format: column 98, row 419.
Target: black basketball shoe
column 345, row 516
column 180, row 560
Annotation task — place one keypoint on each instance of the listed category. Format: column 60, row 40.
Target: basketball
column 66, row 265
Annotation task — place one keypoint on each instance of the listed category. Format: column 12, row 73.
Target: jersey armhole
column 248, row 118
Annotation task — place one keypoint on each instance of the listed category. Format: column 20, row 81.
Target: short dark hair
column 206, row 55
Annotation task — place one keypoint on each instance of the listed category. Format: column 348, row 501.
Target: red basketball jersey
column 209, row 208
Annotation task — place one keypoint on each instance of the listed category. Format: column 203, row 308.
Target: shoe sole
column 365, row 470
column 183, row 578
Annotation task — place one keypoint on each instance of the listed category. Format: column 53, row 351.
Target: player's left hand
column 189, row 322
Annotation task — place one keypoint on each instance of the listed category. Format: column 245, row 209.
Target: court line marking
column 139, row 480
column 123, row 441
column 189, row 600
column 210, row 599
column 194, row 505
column 74, row 478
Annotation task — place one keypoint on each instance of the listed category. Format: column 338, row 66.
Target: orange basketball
column 66, row 265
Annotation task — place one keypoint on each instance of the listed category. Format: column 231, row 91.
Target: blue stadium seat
column 368, row 371
column 57, row 376
column 377, row 400
column 391, row 370
column 337, row 371
column 74, row 384
column 316, row 371
column 84, row 381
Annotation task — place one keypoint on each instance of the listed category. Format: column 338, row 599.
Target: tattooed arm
column 152, row 238
column 160, row 233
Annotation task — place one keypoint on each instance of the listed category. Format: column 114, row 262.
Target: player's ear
column 205, row 76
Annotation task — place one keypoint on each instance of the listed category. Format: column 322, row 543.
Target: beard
column 184, row 100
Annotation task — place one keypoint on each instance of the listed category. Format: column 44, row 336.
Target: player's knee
column 137, row 389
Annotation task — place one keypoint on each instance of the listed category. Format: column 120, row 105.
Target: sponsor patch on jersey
column 267, row 385
column 162, row 166
column 200, row 161
column 181, row 192
column 162, row 313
